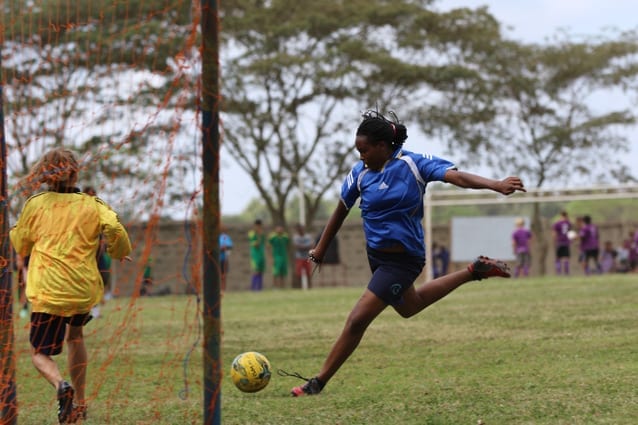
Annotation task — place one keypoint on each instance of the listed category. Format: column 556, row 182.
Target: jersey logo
column 383, row 186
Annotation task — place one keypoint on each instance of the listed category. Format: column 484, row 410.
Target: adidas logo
column 383, row 186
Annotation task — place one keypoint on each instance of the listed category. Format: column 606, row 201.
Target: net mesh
column 117, row 82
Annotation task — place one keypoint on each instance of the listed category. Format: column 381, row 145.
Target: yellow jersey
column 61, row 233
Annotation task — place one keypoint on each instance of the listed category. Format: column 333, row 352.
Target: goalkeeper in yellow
column 60, row 229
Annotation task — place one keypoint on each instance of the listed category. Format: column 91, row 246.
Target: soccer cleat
column 484, row 267
column 312, row 387
column 65, row 402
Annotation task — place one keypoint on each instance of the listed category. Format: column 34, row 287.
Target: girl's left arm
column 507, row 186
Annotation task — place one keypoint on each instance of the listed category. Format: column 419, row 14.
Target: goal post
column 439, row 198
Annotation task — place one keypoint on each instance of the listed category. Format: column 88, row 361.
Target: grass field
column 536, row 351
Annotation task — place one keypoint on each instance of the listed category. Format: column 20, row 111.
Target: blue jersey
column 392, row 199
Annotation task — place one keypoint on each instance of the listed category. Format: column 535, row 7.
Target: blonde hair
column 57, row 168
column 520, row 221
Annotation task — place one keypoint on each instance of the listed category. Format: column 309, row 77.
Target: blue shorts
column 392, row 274
column 48, row 331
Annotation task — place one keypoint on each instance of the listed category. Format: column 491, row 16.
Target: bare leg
column 47, row 367
column 77, row 360
column 417, row 299
column 364, row 312
column 370, row 306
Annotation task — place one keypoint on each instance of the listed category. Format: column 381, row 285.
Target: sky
column 524, row 20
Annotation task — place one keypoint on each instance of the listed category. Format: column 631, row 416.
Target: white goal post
column 437, row 198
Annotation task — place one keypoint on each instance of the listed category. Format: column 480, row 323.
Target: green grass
column 536, row 351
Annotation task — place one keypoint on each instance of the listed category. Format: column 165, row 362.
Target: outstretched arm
column 334, row 224
column 465, row 180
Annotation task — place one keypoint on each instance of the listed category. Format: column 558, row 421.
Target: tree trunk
column 539, row 240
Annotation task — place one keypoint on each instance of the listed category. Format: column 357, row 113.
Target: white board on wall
column 490, row 236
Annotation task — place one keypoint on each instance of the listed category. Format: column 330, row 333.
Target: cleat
column 312, row 387
column 484, row 267
column 65, row 402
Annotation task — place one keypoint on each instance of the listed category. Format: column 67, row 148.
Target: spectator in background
column 279, row 242
column 302, row 242
column 257, row 242
column 332, row 255
column 562, row 242
column 147, row 278
column 608, row 258
column 521, row 239
column 590, row 244
column 443, row 256
column 622, row 257
column 440, row 260
column 225, row 247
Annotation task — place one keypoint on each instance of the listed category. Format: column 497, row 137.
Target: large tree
column 108, row 79
column 296, row 76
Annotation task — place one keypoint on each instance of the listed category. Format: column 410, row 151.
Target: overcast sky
column 528, row 20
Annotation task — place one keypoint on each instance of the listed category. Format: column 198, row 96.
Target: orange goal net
column 118, row 82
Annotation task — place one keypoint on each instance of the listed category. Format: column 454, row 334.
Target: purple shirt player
column 562, row 242
column 589, row 244
column 521, row 239
column 589, row 237
column 561, row 230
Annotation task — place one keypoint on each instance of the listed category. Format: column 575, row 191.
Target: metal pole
column 211, row 212
column 429, row 272
column 8, row 399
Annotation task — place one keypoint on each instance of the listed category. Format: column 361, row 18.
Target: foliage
column 119, row 82
column 296, row 76
column 97, row 76
column 541, row 119
column 611, row 211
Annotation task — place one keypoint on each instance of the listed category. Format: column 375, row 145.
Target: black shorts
column 562, row 251
column 592, row 254
column 48, row 331
column 392, row 274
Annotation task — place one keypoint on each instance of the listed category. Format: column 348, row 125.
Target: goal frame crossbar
column 438, row 198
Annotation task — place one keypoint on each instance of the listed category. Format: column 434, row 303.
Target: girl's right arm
column 334, row 224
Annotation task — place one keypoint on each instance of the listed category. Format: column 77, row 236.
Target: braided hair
column 378, row 128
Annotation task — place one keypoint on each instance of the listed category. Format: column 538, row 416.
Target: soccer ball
column 572, row 234
column 250, row 372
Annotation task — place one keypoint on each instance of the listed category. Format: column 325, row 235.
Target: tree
column 541, row 119
column 297, row 74
column 100, row 77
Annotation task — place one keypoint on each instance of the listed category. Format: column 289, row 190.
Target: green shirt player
column 279, row 242
column 257, row 241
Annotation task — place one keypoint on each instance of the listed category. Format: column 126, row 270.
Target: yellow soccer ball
column 250, row 372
